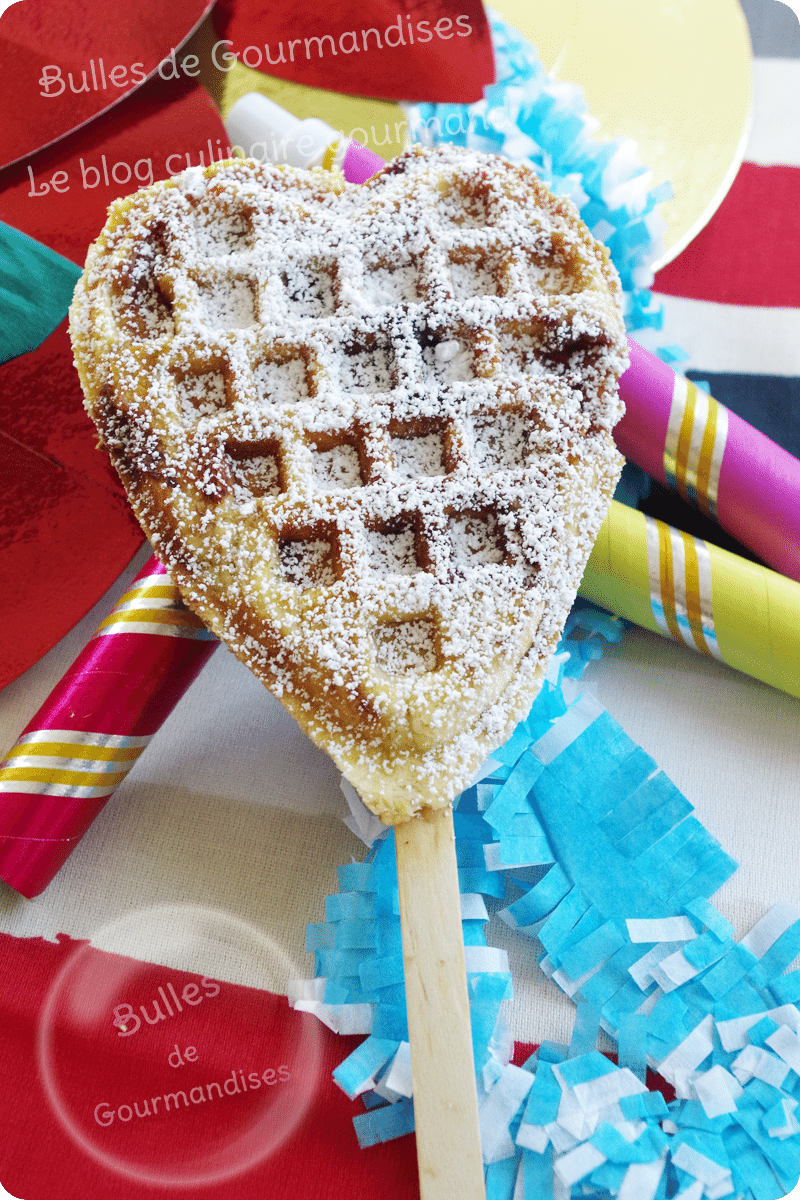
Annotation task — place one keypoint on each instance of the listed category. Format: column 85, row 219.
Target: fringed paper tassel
column 621, row 914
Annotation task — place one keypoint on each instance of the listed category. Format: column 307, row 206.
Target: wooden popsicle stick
column 445, row 1095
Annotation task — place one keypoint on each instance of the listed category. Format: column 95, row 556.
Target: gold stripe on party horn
column 680, row 587
column 154, row 607
column 91, row 729
column 685, row 439
column 61, row 750
column 59, row 762
column 703, row 597
column 695, row 444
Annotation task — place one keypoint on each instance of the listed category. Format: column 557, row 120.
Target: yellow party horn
column 700, row 596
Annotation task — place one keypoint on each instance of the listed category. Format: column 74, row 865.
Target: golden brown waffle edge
column 368, row 430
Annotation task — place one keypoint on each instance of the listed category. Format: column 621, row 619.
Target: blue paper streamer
column 540, row 900
column 585, row 1030
column 598, row 792
column 544, row 1096
column 632, row 1042
column 363, row 1063
column 384, row 1123
column 501, row 1179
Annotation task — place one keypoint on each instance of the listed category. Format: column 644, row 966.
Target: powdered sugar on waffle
column 368, row 430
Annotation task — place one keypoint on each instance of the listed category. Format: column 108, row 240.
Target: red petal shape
column 67, row 531
column 108, row 49
column 64, row 539
column 436, row 50
column 163, row 126
column 239, row 1027
column 750, row 252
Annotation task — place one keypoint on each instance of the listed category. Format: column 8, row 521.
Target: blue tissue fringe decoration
column 673, row 354
column 528, row 117
column 569, row 792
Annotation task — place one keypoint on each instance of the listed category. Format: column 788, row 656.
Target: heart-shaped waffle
column 368, row 430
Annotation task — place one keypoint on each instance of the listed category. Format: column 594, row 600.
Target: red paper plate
column 64, row 539
column 72, row 61
column 436, row 50
column 60, row 195
column 67, row 531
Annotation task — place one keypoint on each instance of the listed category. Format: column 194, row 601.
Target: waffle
column 368, row 430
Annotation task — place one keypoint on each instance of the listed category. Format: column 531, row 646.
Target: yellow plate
column 674, row 75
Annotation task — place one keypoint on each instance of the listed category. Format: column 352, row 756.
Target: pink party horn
column 715, row 460
column 261, row 129
column 92, row 728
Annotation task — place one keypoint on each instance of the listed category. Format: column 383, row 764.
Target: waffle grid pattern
column 397, row 398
